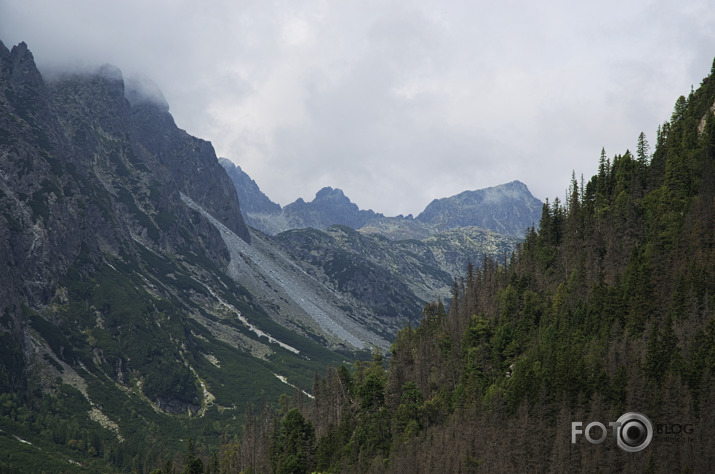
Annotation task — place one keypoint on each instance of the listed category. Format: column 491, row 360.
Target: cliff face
column 45, row 218
column 91, row 182
column 252, row 199
column 76, row 149
column 191, row 161
column 34, row 222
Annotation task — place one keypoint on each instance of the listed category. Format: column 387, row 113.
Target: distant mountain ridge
column 508, row 209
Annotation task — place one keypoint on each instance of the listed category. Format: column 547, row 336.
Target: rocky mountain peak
column 111, row 73
column 330, row 206
column 507, row 209
column 22, row 78
column 328, row 194
column 20, row 57
column 334, row 201
column 516, row 185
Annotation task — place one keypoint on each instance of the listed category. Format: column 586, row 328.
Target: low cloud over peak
column 394, row 102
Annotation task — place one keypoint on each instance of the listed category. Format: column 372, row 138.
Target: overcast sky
column 396, row 102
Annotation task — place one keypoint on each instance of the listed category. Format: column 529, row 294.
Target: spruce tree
column 643, row 149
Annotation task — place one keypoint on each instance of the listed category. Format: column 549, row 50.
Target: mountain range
column 137, row 305
column 508, row 209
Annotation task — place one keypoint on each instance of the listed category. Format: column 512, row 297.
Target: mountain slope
column 291, row 296
column 388, row 291
column 120, row 330
column 391, row 278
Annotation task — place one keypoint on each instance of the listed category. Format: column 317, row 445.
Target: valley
column 159, row 312
column 139, row 308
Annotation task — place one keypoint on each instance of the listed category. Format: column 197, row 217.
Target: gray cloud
column 396, row 102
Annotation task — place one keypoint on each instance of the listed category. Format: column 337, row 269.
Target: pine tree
column 643, row 150
column 679, row 109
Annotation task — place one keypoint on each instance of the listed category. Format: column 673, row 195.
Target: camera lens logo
column 634, row 432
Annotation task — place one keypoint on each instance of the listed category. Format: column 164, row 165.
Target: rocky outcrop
column 252, row 199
